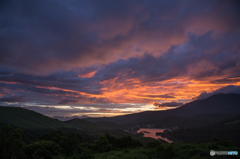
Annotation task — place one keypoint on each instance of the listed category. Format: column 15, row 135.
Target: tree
column 67, row 141
column 102, row 145
column 11, row 143
column 43, row 149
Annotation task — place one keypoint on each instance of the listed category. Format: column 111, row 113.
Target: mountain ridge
column 29, row 119
column 218, row 103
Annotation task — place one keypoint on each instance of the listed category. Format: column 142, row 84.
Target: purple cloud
column 106, row 52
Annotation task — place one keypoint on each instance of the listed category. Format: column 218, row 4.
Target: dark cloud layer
column 12, row 99
column 106, row 52
column 39, row 37
column 65, row 87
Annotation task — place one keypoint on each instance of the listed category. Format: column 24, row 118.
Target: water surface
column 152, row 133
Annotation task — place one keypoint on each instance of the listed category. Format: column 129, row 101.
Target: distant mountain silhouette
column 29, row 119
column 62, row 118
column 219, row 103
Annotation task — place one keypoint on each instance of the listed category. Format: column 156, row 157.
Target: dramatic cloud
column 39, row 39
column 114, row 57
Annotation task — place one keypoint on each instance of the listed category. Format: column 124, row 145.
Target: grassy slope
column 28, row 119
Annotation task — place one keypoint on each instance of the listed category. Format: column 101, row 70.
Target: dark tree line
column 11, row 143
column 58, row 144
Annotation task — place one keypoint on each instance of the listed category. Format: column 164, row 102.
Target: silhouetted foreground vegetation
column 59, row 144
column 72, row 145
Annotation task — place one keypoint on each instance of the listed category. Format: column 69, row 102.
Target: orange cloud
column 87, row 75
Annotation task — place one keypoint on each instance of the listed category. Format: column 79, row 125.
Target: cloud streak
column 76, row 53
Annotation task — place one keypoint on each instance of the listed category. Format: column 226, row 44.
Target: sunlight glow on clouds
column 106, row 58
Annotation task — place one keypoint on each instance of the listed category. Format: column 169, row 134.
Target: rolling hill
column 219, row 103
column 214, row 109
column 29, row 119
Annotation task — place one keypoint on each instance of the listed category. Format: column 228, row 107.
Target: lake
column 152, row 133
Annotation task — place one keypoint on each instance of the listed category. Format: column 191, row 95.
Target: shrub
column 43, row 149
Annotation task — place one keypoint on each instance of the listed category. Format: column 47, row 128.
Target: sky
column 102, row 58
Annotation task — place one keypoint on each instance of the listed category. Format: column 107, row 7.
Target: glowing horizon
column 112, row 58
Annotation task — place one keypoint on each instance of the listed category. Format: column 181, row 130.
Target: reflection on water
column 152, row 133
